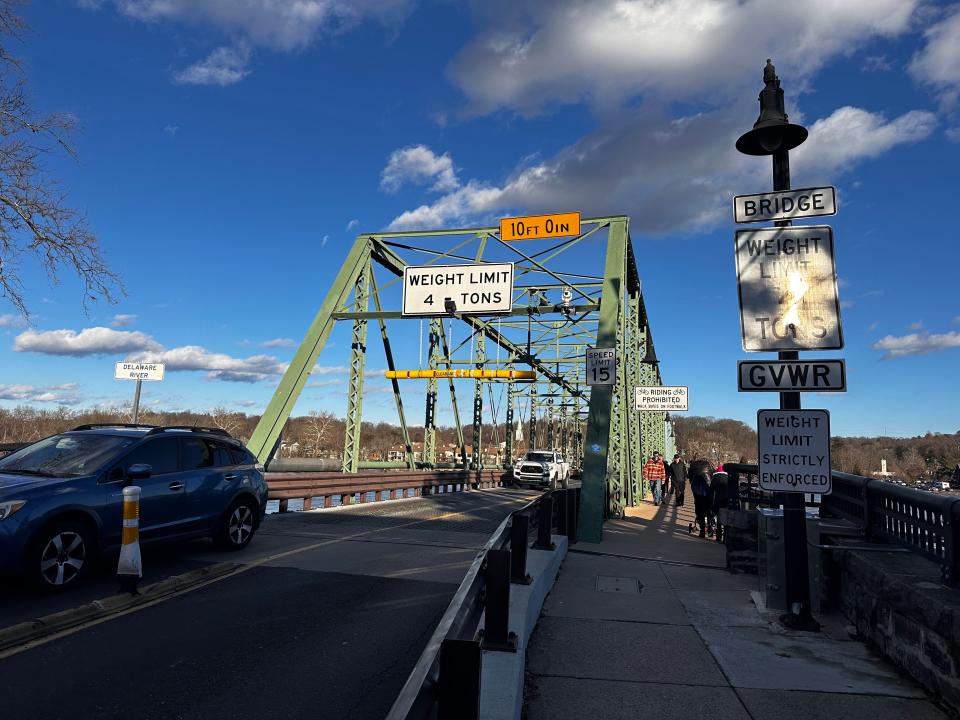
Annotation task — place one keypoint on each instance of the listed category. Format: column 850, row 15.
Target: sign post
column 138, row 372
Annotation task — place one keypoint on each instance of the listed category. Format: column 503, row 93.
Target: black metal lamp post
column 773, row 134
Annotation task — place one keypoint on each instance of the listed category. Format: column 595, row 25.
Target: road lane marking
column 255, row 563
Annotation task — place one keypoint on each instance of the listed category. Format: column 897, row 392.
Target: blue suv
column 61, row 498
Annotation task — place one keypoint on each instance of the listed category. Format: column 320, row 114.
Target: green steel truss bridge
column 596, row 427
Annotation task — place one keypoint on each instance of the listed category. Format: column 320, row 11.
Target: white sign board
column 672, row 398
column 138, row 371
column 485, row 288
column 787, row 283
column 791, row 376
column 785, row 205
column 601, row 366
column 794, row 451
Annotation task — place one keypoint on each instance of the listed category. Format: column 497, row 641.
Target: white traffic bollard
column 130, row 568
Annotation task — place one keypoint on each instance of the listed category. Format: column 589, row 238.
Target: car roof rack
column 93, row 426
column 194, row 428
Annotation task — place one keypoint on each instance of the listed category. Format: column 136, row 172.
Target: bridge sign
column 785, row 205
column 601, row 366
column 138, row 371
column 670, row 398
column 484, row 288
column 794, row 451
column 791, row 376
column 533, row 227
column 787, row 283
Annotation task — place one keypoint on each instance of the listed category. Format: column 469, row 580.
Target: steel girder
column 596, row 426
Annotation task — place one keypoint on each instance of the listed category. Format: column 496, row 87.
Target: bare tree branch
column 36, row 223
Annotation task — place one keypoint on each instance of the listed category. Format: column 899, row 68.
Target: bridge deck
column 326, row 618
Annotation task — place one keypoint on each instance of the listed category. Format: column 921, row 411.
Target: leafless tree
column 319, row 425
column 36, row 223
column 226, row 420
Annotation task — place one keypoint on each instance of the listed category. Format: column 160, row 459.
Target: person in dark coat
column 667, row 481
column 701, row 474
column 718, row 499
column 678, row 477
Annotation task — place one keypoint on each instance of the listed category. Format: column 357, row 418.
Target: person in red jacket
column 654, row 474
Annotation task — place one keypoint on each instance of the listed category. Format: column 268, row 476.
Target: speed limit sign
column 601, row 366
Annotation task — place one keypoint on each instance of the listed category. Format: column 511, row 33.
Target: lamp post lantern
column 773, row 134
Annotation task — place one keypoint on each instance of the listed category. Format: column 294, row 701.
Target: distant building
column 883, row 471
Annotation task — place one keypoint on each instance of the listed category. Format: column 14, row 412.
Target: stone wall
column 897, row 603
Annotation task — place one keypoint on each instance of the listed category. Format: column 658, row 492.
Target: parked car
column 61, row 498
column 541, row 468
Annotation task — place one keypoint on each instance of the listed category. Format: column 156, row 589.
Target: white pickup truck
column 541, row 468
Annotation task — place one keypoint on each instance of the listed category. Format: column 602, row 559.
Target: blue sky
column 229, row 151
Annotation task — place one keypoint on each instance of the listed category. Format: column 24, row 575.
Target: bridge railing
column 382, row 484
column 920, row 521
column 445, row 683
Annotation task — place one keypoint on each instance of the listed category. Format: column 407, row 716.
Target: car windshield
column 540, row 457
column 66, row 455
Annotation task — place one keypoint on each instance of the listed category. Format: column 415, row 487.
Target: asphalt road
column 326, row 620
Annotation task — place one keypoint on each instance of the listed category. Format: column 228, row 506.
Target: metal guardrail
column 922, row 522
column 348, row 488
column 445, row 683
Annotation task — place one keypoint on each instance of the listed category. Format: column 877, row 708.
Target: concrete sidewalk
column 648, row 624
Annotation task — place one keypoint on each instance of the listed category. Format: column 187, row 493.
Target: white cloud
column 938, row 63
column 876, row 63
column 171, row 130
column 279, row 343
column 282, row 25
column 324, row 240
column 64, row 394
column 915, row 326
column 89, row 341
column 353, row 224
column 224, row 66
column 669, row 174
column 123, row 320
column 219, row 366
column 419, row 165
column 916, row 344
column 11, row 321
column 953, row 134
column 873, row 326
column 533, row 53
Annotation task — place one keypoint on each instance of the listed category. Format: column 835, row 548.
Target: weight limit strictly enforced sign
column 484, row 288
column 794, row 451
column 787, row 282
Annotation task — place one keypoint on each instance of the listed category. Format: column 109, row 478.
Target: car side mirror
column 139, row 471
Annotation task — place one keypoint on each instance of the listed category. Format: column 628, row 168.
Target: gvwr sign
column 601, row 366
column 794, row 451
column 670, row 398
column 485, row 288
column 791, row 376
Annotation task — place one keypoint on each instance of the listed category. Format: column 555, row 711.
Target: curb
column 502, row 673
column 25, row 632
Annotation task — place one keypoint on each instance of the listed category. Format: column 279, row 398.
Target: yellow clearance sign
column 533, row 227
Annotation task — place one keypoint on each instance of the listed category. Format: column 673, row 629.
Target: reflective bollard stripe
column 130, row 563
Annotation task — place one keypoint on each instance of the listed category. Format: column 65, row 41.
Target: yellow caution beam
column 467, row 374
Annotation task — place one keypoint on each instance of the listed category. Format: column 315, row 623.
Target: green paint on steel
column 358, row 358
column 268, row 430
column 594, row 486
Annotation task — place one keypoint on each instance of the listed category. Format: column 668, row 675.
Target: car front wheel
column 237, row 527
column 61, row 555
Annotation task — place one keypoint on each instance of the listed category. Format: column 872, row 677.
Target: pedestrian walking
column 654, row 474
column 678, row 478
column 701, row 473
column 667, row 482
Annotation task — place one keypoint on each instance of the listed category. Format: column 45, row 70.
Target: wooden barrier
column 286, row 486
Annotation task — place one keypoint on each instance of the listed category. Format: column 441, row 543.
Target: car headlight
column 9, row 507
